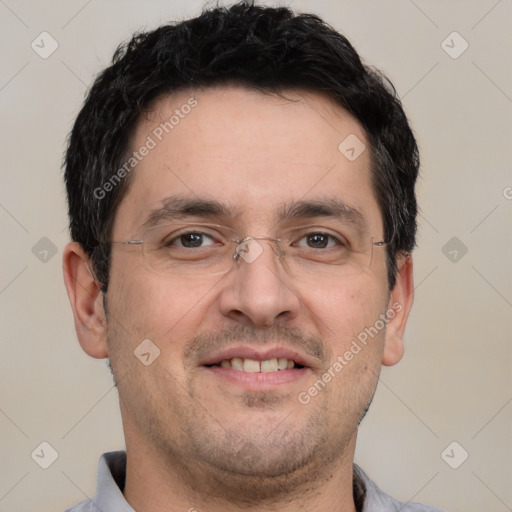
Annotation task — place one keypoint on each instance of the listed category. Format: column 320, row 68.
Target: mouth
column 259, row 369
column 254, row 366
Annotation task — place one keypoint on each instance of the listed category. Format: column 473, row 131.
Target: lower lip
column 257, row 380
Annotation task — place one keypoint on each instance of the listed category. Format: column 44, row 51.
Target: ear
column 86, row 301
column 399, row 306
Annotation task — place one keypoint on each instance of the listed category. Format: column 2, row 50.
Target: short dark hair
column 268, row 49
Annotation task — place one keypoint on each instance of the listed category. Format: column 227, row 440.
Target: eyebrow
column 328, row 207
column 179, row 207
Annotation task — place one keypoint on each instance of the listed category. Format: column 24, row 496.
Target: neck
column 160, row 481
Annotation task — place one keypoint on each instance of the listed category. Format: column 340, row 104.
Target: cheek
column 355, row 336
column 147, row 306
column 341, row 312
column 163, row 309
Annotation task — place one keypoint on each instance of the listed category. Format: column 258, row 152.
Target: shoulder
column 110, row 482
column 83, row 506
column 376, row 500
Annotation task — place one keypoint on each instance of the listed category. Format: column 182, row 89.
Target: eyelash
column 338, row 239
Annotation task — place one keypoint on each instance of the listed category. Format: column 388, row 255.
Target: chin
column 265, row 468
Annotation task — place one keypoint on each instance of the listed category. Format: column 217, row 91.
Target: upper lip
column 259, row 354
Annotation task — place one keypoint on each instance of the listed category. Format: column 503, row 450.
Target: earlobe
column 86, row 301
column 399, row 307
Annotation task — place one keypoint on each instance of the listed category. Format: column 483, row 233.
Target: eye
column 318, row 241
column 190, row 240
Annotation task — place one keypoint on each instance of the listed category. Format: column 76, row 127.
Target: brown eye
column 190, row 240
column 318, row 241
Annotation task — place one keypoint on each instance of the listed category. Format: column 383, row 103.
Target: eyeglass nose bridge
column 249, row 249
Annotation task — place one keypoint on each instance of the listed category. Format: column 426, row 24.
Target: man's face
column 259, row 157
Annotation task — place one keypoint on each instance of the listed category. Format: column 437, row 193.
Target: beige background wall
column 455, row 382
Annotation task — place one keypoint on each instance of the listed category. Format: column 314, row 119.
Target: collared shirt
column 112, row 472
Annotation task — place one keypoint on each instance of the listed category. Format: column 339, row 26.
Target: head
column 238, row 118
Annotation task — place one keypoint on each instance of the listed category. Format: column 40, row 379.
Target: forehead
column 251, row 151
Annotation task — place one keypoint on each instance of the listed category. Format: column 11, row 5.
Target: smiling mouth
column 254, row 366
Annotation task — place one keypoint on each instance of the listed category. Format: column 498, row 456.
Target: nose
column 257, row 291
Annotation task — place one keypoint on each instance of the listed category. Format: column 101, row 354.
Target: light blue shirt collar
column 112, row 472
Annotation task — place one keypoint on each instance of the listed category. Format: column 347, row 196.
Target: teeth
column 269, row 366
column 237, row 364
column 282, row 363
column 253, row 366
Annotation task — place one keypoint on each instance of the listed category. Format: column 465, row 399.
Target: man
column 242, row 209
